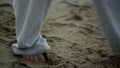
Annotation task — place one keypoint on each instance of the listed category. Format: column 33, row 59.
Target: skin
column 35, row 58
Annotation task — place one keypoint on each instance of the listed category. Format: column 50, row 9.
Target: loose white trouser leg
column 30, row 16
column 108, row 12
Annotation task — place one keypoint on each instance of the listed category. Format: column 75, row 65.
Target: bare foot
column 36, row 58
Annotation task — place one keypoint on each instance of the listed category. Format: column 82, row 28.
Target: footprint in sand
column 17, row 64
column 57, row 24
column 85, row 30
column 52, row 39
column 7, row 19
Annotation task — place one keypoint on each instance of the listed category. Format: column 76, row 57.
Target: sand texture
column 71, row 29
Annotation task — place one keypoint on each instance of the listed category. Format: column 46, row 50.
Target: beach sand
column 71, row 29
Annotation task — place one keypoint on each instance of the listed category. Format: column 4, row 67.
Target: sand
column 71, row 29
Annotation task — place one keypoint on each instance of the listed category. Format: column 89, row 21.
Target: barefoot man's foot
column 41, row 57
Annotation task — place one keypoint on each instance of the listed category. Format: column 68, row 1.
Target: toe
column 31, row 58
column 41, row 57
column 24, row 57
column 27, row 57
column 36, row 58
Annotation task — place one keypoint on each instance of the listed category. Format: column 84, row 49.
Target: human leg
column 30, row 16
column 108, row 14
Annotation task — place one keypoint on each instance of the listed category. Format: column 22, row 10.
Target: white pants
column 30, row 16
column 108, row 12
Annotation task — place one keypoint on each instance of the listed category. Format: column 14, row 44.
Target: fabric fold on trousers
column 30, row 16
column 108, row 14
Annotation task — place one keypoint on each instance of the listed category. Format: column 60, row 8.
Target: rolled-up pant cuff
column 40, row 46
